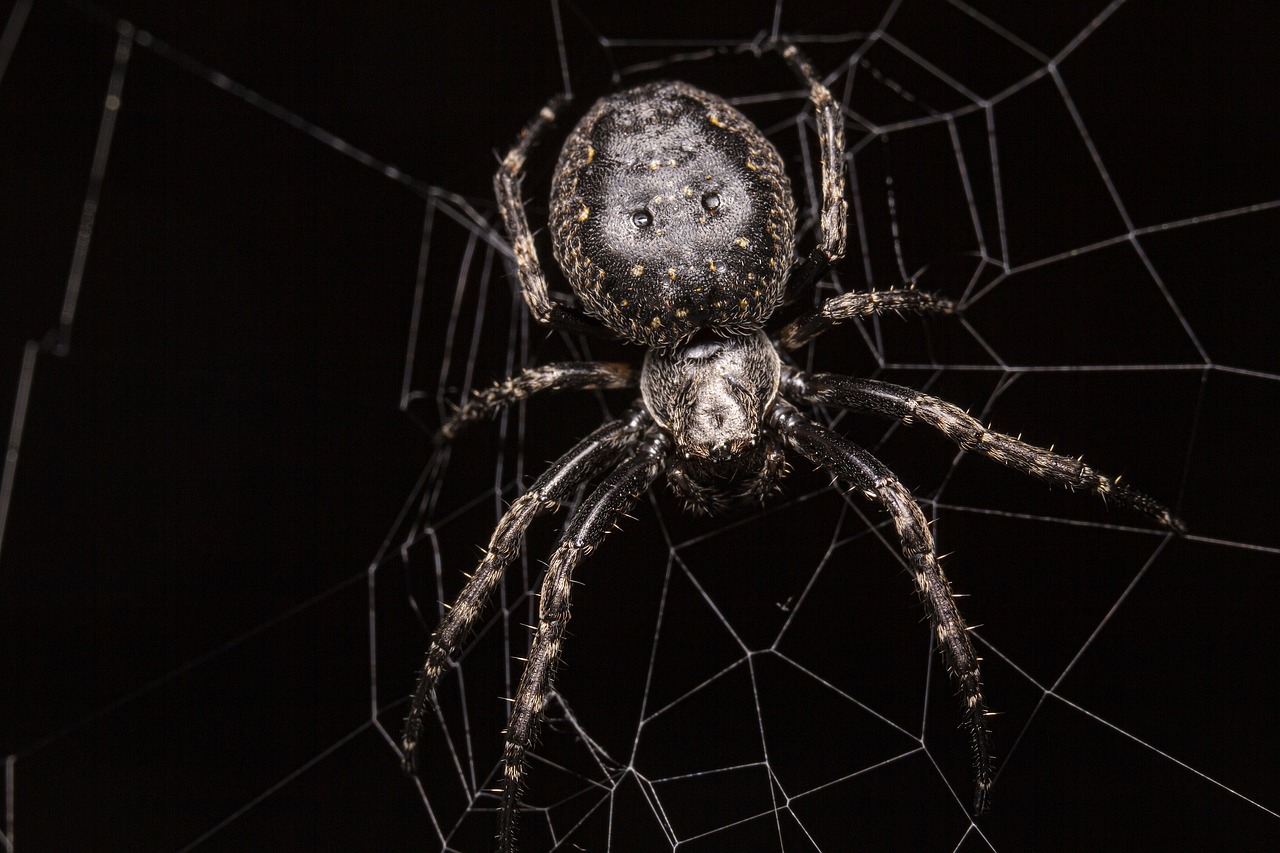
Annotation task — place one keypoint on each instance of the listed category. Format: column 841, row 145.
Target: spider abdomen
column 670, row 212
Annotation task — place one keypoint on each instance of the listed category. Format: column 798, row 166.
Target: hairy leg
column 533, row 283
column 834, row 220
column 560, row 376
column 833, row 238
column 591, row 456
column 876, row 482
column 595, row 517
column 850, row 306
column 906, row 404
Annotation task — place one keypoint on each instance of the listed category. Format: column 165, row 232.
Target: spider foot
column 981, row 797
column 509, row 794
column 1149, row 507
column 409, row 756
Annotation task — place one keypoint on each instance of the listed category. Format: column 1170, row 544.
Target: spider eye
column 710, row 202
column 641, row 218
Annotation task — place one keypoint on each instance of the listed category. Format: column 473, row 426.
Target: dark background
column 224, row 453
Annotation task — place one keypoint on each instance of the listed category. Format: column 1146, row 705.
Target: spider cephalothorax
column 671, row 211
column 712, row 396
column 671, row 215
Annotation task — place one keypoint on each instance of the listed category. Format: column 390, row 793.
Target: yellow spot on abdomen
column 637, row 270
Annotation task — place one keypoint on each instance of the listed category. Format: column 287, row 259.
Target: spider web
column 224, row 538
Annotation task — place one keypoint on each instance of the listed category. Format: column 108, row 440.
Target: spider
column 673, row 220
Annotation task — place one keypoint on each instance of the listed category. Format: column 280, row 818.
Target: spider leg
column 869, row 475
column 533, row 283
column 835, row 216
column 560, row 376
column 835, row 209
column 595, row 517
column 589, row 457
column 850, row 306
column 906, row 404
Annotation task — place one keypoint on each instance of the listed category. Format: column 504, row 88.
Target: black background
column 209, row 470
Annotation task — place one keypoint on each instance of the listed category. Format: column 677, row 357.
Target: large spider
column 673, row 220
